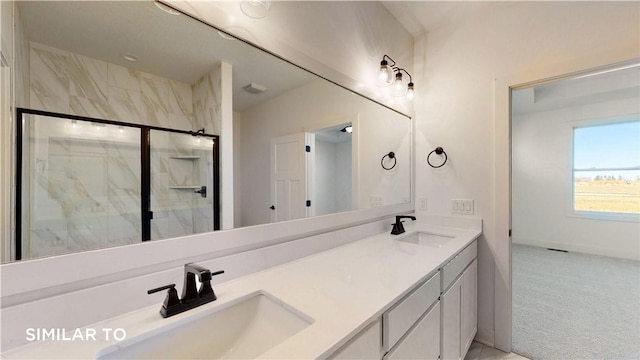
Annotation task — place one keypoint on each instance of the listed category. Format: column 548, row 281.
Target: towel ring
column 438, row 151
column 391, row 155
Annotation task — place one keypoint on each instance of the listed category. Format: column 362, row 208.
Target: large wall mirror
column 125, row 109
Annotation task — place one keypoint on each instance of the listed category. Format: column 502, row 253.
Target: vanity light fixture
column 385, row 69
column 410, row 93
column 347, row 129
column 255, row 9
column 384, row 75
column 398, row 81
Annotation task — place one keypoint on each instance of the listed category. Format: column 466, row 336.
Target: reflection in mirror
column 134, row 66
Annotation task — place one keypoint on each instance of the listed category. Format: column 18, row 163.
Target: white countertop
column 343, row 290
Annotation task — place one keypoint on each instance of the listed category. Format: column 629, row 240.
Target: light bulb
column 410, row 93
column 384, row 71
column 398, row 82
column 383, row 75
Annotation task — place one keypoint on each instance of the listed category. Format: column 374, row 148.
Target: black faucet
column 398, row 228
column 191, row 297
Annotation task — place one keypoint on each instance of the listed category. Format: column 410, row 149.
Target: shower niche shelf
column 185, row 157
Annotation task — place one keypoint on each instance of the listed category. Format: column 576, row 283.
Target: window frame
column 570, row 210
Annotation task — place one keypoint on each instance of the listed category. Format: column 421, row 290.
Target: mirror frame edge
column 64, row 276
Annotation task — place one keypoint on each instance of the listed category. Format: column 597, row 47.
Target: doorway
column 86, row 183
column 575, row 210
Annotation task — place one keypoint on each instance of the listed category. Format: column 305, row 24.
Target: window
column 606, row 168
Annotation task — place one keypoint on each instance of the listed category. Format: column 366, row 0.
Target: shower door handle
column 202, row 191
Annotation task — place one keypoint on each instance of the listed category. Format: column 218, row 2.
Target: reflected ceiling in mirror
column 148, row 66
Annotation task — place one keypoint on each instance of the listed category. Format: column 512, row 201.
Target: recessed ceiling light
column 255, row 9
column 166, row 9
column 130, row 57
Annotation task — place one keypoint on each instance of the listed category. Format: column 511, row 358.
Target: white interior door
column 291, row 185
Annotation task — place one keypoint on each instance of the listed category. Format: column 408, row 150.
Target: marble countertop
column 343, row 290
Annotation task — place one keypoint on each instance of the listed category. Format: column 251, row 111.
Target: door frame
column 501, row 246
column 145, row 162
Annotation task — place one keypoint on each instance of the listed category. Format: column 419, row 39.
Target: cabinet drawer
column 455, row 267
column 423, row 342
column 397, row 320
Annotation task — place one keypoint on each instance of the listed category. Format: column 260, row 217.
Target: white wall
column 456, row 64
column 343, row 41
column 319, row 105
column 332, row 176
column 541, row 170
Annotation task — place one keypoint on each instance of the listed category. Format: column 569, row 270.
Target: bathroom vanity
column 385, row 297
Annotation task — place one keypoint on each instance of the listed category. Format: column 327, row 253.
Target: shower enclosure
column 86, row 184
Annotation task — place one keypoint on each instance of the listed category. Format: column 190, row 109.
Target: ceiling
column 171, row 46
column 419, row 17
column 581, row 90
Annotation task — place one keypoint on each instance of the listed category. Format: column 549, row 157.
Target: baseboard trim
column 585, row 249
column 485, row 337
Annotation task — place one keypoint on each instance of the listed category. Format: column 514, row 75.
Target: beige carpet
column 574, row 306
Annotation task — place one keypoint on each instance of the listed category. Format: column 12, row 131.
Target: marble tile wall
column 84, row 183
column 69, row 83
column 80, row 209
column 207, row 102
column 21, row 61
column 180, row 161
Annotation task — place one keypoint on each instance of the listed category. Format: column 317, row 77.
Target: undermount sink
column 427, row 239
column 243, row 329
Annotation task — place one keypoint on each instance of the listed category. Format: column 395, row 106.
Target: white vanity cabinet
column 365, row 345
column 411, row 328
column 436, row 320
column 459, row 303
column 422, row 341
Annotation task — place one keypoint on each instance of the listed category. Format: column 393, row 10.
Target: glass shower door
column 79, row 186
column 183, row 184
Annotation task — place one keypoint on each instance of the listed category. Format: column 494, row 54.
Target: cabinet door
column 365, row 345
column 451, row 321
column 421, row 342
column 469, row 305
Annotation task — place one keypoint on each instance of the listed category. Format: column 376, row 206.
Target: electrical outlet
column 454, row 206
column 462, row 206
column 422, row 203
column 468, row 206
